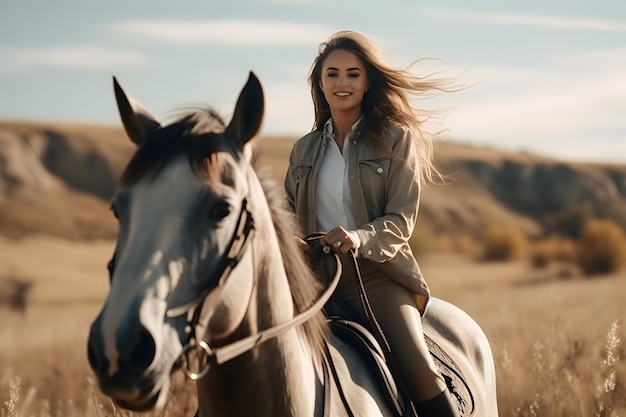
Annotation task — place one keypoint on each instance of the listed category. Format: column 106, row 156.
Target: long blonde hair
column 388, row 100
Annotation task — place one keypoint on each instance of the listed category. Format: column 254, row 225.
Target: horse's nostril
column 142, row 352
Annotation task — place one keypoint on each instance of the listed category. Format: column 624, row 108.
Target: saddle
column 359, row 338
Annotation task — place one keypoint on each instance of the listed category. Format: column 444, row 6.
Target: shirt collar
column 328, row 127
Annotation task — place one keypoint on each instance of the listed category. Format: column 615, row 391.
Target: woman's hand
column 339, row 240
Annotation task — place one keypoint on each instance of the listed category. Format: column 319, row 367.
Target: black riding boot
column 443, row 405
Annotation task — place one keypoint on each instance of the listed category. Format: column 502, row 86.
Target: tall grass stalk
column 14, row 397
column 606, row 388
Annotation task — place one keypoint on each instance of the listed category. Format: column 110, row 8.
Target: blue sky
column 546, row 76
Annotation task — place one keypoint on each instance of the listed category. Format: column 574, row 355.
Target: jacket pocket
column 373, row 176
column 300, row 174
column 378, row 167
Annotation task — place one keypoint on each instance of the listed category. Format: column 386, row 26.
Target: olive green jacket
column 385, row 191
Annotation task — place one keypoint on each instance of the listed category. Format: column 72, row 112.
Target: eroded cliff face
column 39, row 161
column 57, row 179
column 57, row 182
column 549, row 192
column 22, row 173
column 539, row 188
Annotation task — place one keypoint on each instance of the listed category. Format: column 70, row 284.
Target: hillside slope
column 56, row 179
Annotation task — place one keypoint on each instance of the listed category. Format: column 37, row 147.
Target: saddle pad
column 360, row 338
column 452, row 375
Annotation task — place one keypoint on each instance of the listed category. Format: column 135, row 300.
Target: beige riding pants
column 396, row 311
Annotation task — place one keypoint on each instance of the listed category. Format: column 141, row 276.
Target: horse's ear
column 138, row 122
column 248, row 111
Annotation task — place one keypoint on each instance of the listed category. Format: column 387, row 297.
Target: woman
column 357, row 178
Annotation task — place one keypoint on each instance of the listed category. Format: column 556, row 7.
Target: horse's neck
column 276, row 379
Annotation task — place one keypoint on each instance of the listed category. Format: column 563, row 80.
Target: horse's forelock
column 196, row 134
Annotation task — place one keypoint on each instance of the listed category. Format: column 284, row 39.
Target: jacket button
column 379, row 170
column 369, row 252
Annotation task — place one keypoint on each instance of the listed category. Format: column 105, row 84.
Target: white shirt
column 333, row 200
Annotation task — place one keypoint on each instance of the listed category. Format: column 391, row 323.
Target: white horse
column 206, row 277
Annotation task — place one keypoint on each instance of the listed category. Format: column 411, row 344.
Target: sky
column 540, row 76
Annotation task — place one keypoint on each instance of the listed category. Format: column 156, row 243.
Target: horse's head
column 184, row 220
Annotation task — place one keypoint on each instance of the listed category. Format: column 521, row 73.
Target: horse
column 206, row 277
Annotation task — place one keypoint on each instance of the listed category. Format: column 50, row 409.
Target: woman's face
column 344, row 81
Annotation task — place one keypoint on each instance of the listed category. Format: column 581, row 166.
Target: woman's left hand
column 338, row 240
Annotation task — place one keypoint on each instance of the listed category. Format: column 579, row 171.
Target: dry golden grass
column 556, row 342
column 549, row 336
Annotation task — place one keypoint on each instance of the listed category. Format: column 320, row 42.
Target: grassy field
column 548, row 335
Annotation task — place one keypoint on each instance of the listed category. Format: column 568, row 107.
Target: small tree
column 503, row 243
column 601, row 248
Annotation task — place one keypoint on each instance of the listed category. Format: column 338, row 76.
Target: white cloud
column 79, row 56
column 289, row 109
column 226, row 32
column 549, row 21
column 556, row 110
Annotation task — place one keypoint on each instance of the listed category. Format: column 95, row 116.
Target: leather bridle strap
column 234, row 252
column 225, row 353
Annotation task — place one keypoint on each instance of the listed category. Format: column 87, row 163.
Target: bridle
column 237, row 246
column 234, row 253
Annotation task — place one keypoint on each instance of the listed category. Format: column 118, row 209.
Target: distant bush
column 602, row 247
column 14, row 293
column 570, row 222
column 553, row 248
column 444, row 243
column 465, row 244
column 422, row 241
column 503, row 243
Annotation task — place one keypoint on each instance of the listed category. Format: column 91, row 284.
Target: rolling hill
column 56, row 179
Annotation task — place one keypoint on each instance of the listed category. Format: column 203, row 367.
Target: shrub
column 444, row 244
column 601, row 248
column 422, row 241
column 465, row 244
column 551, row 249
column 503, row 243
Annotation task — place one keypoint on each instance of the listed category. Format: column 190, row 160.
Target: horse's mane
column 195, row 134
column 305, row 287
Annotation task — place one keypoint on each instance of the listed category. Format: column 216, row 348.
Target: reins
column 222, row 354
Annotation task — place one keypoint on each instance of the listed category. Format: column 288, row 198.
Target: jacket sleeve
column 384, row 237
column 290, row 183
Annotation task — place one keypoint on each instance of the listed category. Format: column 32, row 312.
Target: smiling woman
column 357, row 180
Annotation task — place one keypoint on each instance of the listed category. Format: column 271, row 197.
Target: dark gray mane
column 305, row 287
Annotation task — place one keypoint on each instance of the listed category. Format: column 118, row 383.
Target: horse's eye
column 219, row 211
